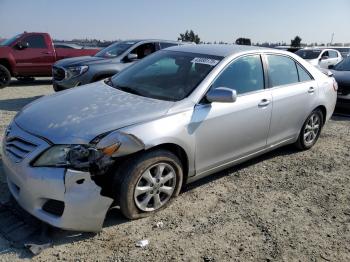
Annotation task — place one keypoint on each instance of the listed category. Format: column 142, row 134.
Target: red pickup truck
column 32, row 54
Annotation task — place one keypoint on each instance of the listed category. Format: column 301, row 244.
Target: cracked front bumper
column 82, row 208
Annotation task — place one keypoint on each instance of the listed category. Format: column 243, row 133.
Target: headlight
column 74, row 156
column 54, row 156
column 74, row 71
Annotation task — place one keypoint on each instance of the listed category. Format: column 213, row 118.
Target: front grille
column 58, row 73
column 18, row 149
column 54, row 207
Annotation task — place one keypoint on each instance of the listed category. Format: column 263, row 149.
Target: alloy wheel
column 312, row 128
column 155, row 187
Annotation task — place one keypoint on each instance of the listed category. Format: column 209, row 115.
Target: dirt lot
column 284, row 206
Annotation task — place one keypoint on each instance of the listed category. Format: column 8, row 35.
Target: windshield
column 165, row 75
column 344, row 65
column 115, row 49
column 9, row 41
column 308, row 54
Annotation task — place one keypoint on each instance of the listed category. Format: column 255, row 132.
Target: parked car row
column 179, row 114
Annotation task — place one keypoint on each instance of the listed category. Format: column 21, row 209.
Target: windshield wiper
column 129, row 90
column 109, row 82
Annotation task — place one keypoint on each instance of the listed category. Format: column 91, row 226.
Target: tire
column 5, row 76
column 310, row 130
column 132, row 179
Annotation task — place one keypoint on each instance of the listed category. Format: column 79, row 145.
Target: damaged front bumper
column 63, row 198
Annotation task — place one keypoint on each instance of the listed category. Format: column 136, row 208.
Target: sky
column 212, row 20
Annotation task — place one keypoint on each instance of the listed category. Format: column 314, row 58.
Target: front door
column 227, row 131
column 36, row 59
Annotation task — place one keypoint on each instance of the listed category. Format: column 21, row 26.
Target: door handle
column 311, row 90
column 264, row 102
column 46, row 53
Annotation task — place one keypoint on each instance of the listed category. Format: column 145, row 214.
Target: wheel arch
column 6, row 63
column 180, row 153
column 324, row 112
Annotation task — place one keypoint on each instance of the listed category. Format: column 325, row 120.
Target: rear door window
column 333, row 54
column 282, row 70
column 35, row 41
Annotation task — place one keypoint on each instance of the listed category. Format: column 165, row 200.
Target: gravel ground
column 283, row 206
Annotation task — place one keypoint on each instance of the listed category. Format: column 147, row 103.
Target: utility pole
column 332, row 39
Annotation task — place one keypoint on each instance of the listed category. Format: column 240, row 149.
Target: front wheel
column 148, row 183
column 310, row 131
column 5, row 76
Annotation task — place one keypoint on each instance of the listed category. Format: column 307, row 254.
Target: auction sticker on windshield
column 205, row 61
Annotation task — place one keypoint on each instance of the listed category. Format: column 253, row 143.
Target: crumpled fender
column 85, row 207
column 128, row 143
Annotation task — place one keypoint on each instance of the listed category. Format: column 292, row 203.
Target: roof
column 148, row 40
column 216, row 49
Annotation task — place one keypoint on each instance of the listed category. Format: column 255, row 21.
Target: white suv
column 320, row 57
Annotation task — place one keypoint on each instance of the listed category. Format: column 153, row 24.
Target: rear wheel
column 5, row 76
column 148, row 183
column 311, row 130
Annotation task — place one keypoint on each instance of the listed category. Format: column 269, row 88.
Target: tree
column 189, row 36
column 295, row 42
column 243, row 41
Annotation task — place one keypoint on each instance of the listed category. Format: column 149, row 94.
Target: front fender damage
column 85, row 207
column 86, row 201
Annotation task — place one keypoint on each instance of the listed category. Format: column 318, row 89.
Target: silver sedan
column 178, row 115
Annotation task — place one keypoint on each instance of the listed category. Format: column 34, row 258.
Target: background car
column 69, row 46
column 344, row 50
column 320, row 57
column 341, row 73
column 28, row 55
column 69, row 73
column 174, row 117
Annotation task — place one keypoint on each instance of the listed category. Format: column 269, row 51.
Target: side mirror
column 22, row 45
column 222, row 95
column 132, row 57
column 330, row 66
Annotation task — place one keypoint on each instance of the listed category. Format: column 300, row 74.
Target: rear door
column 294, row 95
column 227, row 131
column 334, row 57
column 36, row 59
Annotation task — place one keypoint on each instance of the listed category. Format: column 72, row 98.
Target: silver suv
column 176, row 116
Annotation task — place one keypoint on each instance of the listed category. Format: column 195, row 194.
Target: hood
column 342, row 77
column 80, row 114
column 82, row 60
